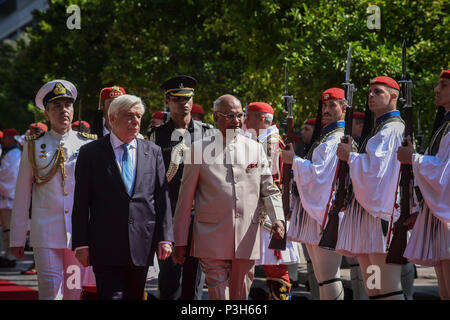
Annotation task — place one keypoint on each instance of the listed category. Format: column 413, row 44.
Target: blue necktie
column 127, row 168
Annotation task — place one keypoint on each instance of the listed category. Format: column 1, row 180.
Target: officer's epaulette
column 87, row 135
column 35, row 136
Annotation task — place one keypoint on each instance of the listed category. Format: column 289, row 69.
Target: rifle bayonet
column 349, row 87
column 289, row 99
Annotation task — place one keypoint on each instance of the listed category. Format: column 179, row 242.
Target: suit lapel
column 142, row 153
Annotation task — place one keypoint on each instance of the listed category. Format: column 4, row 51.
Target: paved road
column 425, row 285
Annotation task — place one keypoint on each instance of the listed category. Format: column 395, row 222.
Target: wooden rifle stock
column 275, row 243
column 399, row 240
column 330, row 233
column 280, row 244
column 398, row 245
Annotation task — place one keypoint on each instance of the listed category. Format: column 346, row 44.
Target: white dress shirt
column 116, row 144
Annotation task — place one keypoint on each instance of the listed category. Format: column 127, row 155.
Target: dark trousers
column 181, row 282
column 120, row 282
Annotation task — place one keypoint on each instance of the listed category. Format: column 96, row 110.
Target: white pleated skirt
column 293, row 231
column 304, row 228
column 307, row 229
column 430, row 240
column 360, row 232
column 268, row 257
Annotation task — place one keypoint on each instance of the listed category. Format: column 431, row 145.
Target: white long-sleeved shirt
column 432, row 175
column 375, row 173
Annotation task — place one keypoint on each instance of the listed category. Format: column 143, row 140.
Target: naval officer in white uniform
column 44, row 190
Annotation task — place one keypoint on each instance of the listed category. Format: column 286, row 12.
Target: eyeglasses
column 231, row 116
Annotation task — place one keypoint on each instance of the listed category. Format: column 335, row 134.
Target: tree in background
column 236, row 47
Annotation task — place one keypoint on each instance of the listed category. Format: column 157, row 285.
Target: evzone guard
column 374, row 172
column 313, row 176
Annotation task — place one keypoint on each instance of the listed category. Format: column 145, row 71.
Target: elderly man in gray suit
column 226, row 174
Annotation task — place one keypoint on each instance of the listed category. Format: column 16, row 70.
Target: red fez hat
column 40, row 125
column 196, row 108
column 445, row 74
column 111, row 92
column 312, row 122
column 387, row 81
column 260, row 107
column 76, row 124
column 358, row 115
column 332, row 93
column 10, row 132
column 158, row 115
column 1, row 134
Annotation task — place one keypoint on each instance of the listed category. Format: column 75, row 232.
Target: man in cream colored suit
column 226, row 174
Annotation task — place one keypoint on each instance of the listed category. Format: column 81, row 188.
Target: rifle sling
column 437, row 137
column 321, row 140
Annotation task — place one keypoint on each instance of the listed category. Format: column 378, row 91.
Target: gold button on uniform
column 66, row 211
column 65, row 193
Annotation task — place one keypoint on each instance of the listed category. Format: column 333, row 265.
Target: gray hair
column 124, row 102
column 222, row 99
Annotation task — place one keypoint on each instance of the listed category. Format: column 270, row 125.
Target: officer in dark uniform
column 176, row 281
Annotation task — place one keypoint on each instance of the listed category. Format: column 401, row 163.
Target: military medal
column 43, row 151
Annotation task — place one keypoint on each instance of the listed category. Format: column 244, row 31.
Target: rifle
column 330, row 232
column 396, row 248
column 280, row 244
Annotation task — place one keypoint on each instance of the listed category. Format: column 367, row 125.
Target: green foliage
column 238, row 47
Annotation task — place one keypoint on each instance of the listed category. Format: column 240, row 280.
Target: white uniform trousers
column 326, row 264
column 59, row 274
